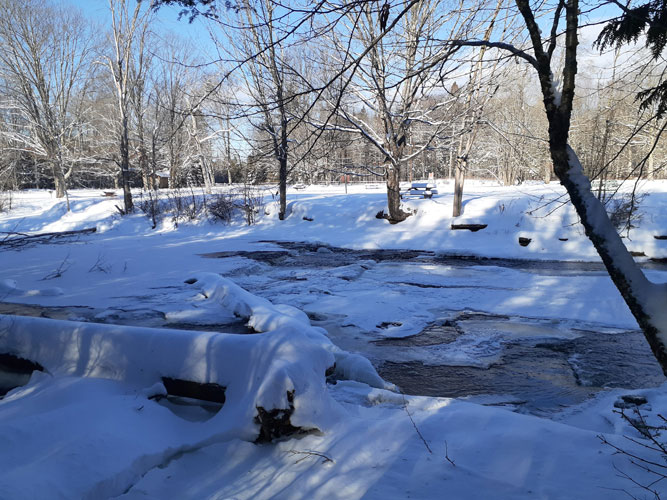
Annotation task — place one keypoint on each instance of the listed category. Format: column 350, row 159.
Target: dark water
column 534, row 372
column 307, row 254
column 536, row 376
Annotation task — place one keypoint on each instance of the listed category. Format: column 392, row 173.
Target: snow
column 496, row 454
column 263, row 316
column 256, row 370
column 155, row 307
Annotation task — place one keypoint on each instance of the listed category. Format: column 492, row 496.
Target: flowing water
column 533, row 372
column 534, row 366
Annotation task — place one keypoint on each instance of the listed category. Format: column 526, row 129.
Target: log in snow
column 283, row 370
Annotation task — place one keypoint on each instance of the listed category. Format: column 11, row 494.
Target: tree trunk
column 209, row 176
column 282, row 187
column 155, row 182
column 206, row 167
column 651, row 165
column 282, row 158
column 646, row 300
column 125, row 166
column 228, row 151
column 173, row 174
column 459, row 179
column 59, row 180
column 396, row 214
column 147, row 178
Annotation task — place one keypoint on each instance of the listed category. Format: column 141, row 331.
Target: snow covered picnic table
column 422, row 189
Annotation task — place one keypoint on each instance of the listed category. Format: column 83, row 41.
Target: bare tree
column 205, row 126
column 517, row 138
column 126, row 66
column 266, row 75
column 45, row 60
column 139, row 97
column 645, row 300
column 396, row 83
column 479, row 91
column 170, row 93
column 264, row 34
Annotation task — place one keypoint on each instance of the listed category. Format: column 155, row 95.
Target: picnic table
column 422, row 189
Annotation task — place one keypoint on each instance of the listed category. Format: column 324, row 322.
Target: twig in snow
column 405, row 407
column 656, row 463
column 64, row 266
column 100, row 265
column 309, row 453
column 13, row 240
column 447, row 455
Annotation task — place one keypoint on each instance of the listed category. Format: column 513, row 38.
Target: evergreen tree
column 649, row 18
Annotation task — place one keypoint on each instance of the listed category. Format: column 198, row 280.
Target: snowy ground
column 73, row 434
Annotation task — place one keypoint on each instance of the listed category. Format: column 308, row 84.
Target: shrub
column 623, row 211
column 221, row 207
column 252, row 201
column 188, row 206
column 184, row 206
column 150, row 205
column 649, row 455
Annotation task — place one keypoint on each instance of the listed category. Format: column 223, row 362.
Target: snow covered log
column 264, row 316
column 277, row 373
column 15, row 371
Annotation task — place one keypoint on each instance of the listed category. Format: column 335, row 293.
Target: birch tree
column 129, row 31
column 479, row 91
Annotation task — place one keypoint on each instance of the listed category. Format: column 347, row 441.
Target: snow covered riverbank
column 72, row 434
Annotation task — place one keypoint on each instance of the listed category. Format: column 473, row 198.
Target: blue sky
column 99, row 10
column 166, row 17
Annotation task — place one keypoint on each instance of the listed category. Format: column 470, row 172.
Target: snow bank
column 263, row 316
column 289, row 356
column 88, row 428
column 531, row 210
column 9, row 288
column 379, row 453
column 257, row 370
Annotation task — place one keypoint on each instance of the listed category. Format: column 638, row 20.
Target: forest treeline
column 84, row 103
